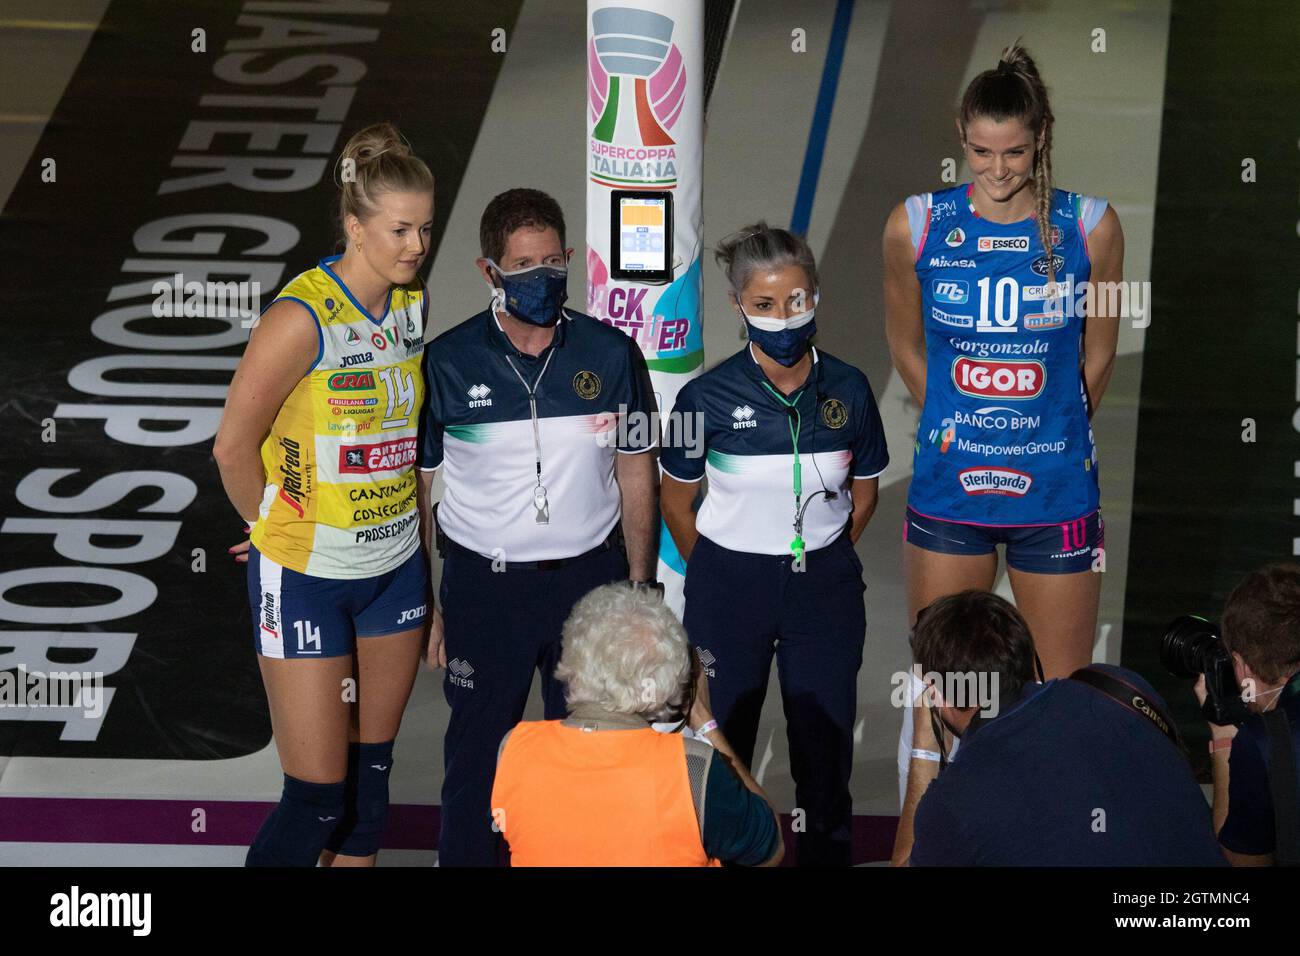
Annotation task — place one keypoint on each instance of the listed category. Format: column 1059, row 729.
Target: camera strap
column 1132, row 699
column 1282, row 784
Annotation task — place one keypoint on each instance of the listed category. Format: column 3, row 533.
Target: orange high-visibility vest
column 565, row 796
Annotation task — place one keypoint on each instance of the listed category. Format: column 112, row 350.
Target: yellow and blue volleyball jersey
column 340, row 479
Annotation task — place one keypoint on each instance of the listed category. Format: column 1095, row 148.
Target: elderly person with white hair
column 602, row 787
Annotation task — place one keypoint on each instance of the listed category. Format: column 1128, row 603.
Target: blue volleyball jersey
column 1004, row 437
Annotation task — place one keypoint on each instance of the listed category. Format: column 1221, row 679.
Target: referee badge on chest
column 834, row 414
column 586, row 384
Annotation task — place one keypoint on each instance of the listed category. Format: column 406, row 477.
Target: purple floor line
column 411, row 826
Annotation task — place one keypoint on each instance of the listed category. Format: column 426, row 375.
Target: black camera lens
column 1191, row 646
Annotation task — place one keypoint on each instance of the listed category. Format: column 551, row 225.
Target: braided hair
column 1014, row 90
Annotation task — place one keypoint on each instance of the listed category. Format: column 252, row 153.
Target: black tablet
column 641, row 235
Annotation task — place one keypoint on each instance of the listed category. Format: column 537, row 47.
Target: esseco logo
column 1003, row 244
column 982, row 378
column 994, row 481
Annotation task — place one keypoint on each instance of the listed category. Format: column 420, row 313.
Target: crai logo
column 636, row 88
column 351, row 381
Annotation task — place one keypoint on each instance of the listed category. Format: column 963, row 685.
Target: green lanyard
column 796, row 423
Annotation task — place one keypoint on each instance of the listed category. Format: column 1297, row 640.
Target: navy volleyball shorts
column 1064, row 548
column 297, row 615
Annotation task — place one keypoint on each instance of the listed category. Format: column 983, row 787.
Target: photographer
column 602, row 788
column 1261, row 630
column 1063, row 773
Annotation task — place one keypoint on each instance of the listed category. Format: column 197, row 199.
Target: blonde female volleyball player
column 317, row 450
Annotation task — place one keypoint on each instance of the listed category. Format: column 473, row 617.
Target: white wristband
column 926, row 755
column 704, row 728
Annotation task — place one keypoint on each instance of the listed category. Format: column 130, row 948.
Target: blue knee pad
column 362, row 827
column 295, row 832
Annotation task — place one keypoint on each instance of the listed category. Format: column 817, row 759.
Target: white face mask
column 769, row 324
column 1259, row 698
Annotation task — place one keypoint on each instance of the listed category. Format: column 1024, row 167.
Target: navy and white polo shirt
column 728, row 426
column 477, row 427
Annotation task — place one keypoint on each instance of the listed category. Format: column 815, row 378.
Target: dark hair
column 376, row 160
column 759, row 246
column 1014, row 90
column 1261, row 620
column 516, row 209
column 979, row 632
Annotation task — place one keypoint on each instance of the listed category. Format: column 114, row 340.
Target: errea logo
column 744, row 417
column 459, row 673
column 707, row 660
column 478, row 395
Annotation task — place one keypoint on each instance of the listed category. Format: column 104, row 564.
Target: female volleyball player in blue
column 992, row 332
column 792, row 447
column 317, row 450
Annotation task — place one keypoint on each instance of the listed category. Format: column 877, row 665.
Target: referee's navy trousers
column 499, row 626
column 741, row 609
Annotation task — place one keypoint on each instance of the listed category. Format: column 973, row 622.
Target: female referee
column 991, row 328
column 316, row 451
column 792, row 447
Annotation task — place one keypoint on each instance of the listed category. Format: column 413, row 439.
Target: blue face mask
column 533, row 295
column 786, row 340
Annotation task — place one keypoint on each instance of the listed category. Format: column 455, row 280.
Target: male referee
column 539, row 418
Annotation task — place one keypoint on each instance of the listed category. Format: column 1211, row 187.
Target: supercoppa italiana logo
column 636, row 91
